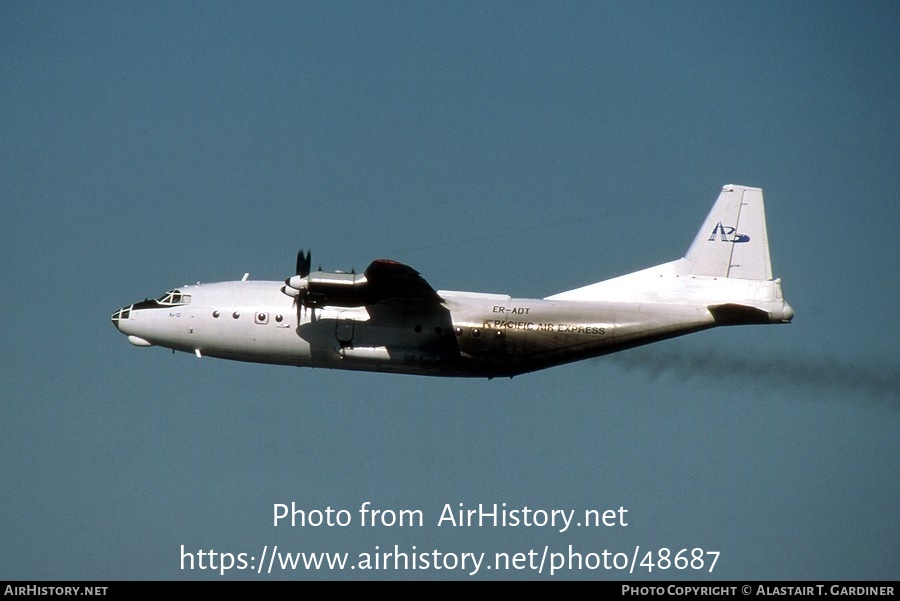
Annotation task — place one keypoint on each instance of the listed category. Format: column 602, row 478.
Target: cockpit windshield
column 174, row 297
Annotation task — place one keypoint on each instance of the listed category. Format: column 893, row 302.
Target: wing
column 388, row 279
column 383, row 280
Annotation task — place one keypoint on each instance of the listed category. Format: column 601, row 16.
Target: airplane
column 390, row 319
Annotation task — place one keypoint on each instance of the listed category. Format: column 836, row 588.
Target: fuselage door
column 343, row 329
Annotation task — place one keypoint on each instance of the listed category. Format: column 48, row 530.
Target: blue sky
column 522, row 148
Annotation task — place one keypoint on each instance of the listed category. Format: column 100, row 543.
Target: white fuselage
column 469, row 334
column 390, row 319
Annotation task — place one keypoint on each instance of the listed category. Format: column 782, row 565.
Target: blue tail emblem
column 727, row 234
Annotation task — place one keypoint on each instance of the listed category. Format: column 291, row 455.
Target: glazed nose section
column 121, row 314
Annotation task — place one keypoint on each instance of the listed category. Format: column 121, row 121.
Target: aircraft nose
column 119, row 315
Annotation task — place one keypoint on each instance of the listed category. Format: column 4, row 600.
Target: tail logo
column 727, row 233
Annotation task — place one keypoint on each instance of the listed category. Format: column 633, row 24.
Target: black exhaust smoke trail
column 850, row 380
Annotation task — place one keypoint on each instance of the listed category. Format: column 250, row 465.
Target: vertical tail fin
column 728, row 267
column 733, row 242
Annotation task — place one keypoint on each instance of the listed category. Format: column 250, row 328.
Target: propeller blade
column 303, row 263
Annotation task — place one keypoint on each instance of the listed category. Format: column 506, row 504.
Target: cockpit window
column 174, row 297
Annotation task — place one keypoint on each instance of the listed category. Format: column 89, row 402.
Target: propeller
column 297, row 285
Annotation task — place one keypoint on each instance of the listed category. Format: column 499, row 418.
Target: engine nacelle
column 323, row 280
column 321, row 288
